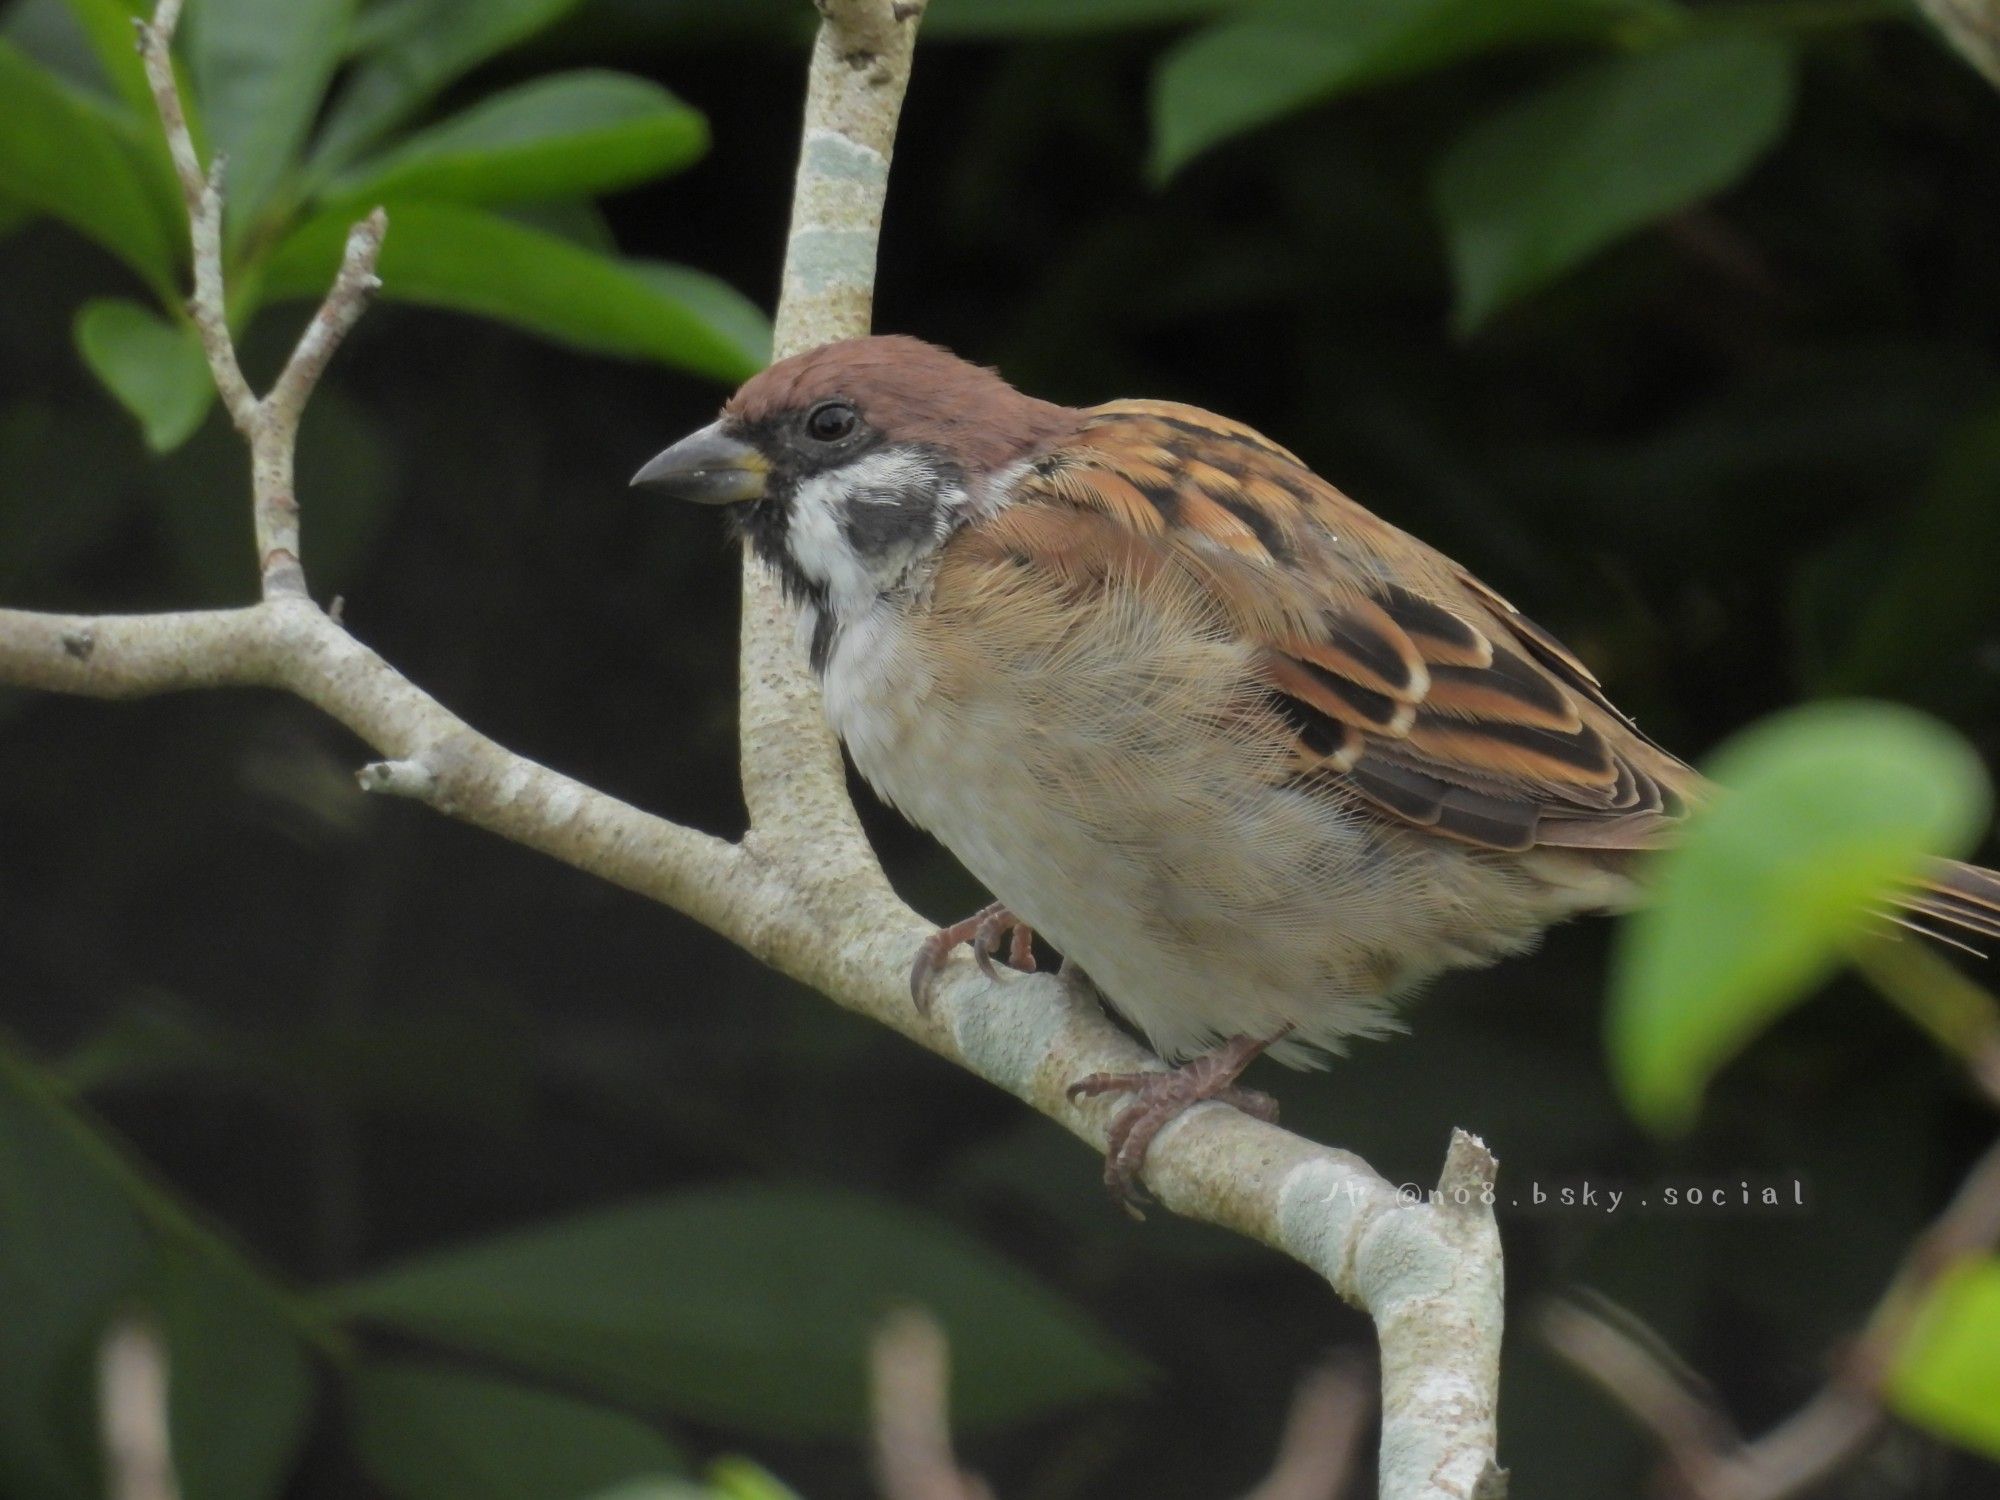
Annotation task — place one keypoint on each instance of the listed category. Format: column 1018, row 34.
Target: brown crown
column 912, row 392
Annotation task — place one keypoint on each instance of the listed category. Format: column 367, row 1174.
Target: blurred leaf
column 572, row 135
column 155, row 368
column 49, row 34
column 1946, row 1375
column 430, row 1433
column 727, row 1479
column 84, row 1233
column 71, row 1249
column 1282, row 55
column 1936, row 592
column 727, row 311
column 1044, row 18
column 476, row 262
column 577, row 220
column 91, row 44
column 208, row 544
column 740, row 1479
column 750, row 1307
column 418, row 47
column 239, row 1387
column 1825, row 808
column 63, row 155
column 353, row 469
column 379, row 22
column 1550, row 179
column 66, row 482
column 108, row 26
column 260, row 71
column 143, row 1041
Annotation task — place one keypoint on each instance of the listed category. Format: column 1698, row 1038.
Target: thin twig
column 803, row 891
column 1706, row 1460
column 271, row 424
column 1955, row 1012
column 912, row 1429
column 132, row 1410
column 910, row 1383
column 342, row 309
column 1322, row 1438
column 202, row 193
column 1973, row 27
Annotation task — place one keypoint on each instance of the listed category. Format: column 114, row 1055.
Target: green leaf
column 741, row 1479
column 573, row 135
column 1933, row 594
column 1046, row 18
column 63, row 155
column 727, row 311
column 72, row 1248
column 470, row 261
column 239, row 1387
column 1826, row 807
column 1946, row 1375
column 155, row 368
column 107, row 24
column 577, row 220
column 1537, row 188
column 89, row 1235
column 430, row 1433
column 418, row 49
column 750, row 1307
column 99, row 55
column 1282, row 55
column 260, row 70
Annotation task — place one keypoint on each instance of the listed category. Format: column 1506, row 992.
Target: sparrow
column 1255, row 761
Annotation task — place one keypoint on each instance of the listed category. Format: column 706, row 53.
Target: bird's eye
column 830, row 421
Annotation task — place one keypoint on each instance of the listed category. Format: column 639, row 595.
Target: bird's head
column 849, row 466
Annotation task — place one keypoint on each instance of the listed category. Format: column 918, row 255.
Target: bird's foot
column 1159, row 1097
column 983, row 932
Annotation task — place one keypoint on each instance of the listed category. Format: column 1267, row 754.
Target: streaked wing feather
column 1400, row 679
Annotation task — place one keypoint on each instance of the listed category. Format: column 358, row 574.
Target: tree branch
column 1973, row 27
column 803, row 891
column 910, row 1385
column 1705, row 1458
column 132, row 1413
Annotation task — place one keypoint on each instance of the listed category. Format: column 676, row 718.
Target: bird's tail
column 1957, row 898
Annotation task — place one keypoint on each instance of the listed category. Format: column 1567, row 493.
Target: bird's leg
column 982, row 932
column 1159, row 1097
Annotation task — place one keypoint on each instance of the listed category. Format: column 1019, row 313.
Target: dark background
column 1744, row 459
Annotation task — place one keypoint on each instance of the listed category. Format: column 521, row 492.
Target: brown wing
column 1397, row 675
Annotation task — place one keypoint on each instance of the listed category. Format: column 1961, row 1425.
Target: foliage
column 299, row 170
column 749, row 1307
column 1823, row 811
column 1947, row 1374
column 1690, row 99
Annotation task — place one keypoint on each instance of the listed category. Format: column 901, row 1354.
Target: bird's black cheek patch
column 880, row 523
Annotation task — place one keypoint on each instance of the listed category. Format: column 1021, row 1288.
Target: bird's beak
column 708, row 467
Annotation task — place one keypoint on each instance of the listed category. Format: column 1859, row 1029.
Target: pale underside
column 1117, row 776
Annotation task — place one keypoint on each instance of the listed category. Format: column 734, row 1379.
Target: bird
column 1255, row 761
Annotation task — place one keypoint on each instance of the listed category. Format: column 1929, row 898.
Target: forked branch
column 803, row 891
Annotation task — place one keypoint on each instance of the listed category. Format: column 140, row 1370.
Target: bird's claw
column 1159, row 1097
column 984, row 932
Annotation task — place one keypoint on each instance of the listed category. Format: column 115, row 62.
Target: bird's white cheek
column 821, row 549
column 857, row 530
